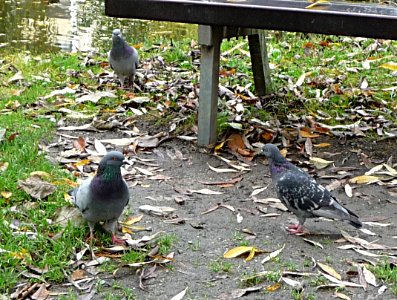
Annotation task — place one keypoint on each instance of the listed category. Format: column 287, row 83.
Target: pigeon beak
column 125, row 162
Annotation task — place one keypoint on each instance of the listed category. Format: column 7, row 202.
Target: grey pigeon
column 123, row 59
column 103, row 197
column 302, row 194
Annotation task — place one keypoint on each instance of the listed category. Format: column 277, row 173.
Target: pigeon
column 103, row 197
column 302, row 195
column 123, row 59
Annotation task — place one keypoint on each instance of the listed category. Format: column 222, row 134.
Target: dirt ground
column 203, row 238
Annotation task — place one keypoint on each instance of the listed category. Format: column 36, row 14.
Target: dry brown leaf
column 80, row 143
column 41, row 294
column 307, row 134
column 36, row 187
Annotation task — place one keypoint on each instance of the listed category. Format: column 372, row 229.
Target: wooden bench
column 220, row 19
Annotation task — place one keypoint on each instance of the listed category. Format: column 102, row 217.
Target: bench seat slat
column 340, row 18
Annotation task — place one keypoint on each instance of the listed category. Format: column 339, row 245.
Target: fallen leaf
column 6, row 194
column 220, row 170
column 206, row 192
column 369, row 277
column 95, row 97
column 132, row 220
column 17, row 77
column 322, row 145
column 80, row 143
column 235, row 252
column 320, row 163
column 180, row 295
column 41, row 294
column 157, row 210
column 307, row 134
column 273, row 254
column 313, row 243
column 341, row 296
column 391, row 65
column 329, row 270
column 364, row 179
column 36, row 187
column 99, row 147
column 348, row 190
column 258, row 191
column 293, row 283
column 144, row 171
column 273, row 287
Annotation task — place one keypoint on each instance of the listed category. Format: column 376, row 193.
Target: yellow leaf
column 320, row 163
column 306, row 134
column 40, row 174
column 389, row 65
column 125, row 229
column 6, row 194
column 273, row 287
column 322, row 145
column 283, row 152
column 219, row 146
column 329, row 270
column 253, row 251
column 82, row 162
column 364, row 179
column 133, row 220
column 232, row 253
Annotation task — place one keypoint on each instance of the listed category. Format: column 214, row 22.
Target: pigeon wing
column 305, row 196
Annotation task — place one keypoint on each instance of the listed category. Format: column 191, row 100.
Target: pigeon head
column 116, row 34
column 109, row 166
column 272, row 153
column 112, row 158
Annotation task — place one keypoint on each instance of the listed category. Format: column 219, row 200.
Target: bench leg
column 260, row 63
column 210, row 38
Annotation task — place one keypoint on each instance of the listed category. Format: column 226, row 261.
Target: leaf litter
column 236, row 144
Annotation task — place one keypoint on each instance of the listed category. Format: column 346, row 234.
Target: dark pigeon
column 302, row 194
column 103, row 197
column 123, row 59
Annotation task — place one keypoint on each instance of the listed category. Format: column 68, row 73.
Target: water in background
column 73, row 25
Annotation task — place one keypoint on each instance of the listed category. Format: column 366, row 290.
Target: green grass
column 165, row 243
column 218, row 266
column 387, row 273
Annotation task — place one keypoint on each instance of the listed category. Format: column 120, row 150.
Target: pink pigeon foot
column 295, row 229
column 117, row 241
